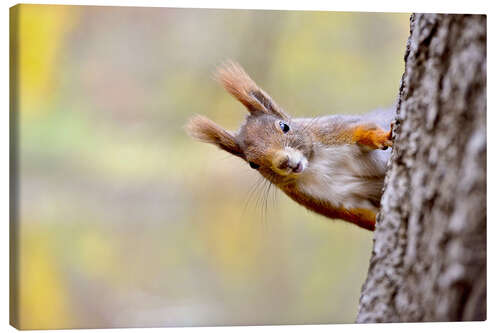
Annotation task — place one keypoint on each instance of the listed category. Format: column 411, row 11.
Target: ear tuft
column 205, row 130
column 239, row 84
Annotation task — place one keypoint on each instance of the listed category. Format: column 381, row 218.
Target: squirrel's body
column 332, row 165
column 342, row 180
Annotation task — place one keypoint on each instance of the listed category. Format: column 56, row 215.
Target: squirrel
column 333, row 165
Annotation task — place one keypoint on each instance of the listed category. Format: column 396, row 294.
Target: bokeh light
column 125, row 221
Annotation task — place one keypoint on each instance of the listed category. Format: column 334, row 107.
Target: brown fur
column 237, row 82
column 362, row 217
column 353, row 132
column 327, row 164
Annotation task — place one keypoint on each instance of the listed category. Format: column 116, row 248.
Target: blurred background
column 125, row 221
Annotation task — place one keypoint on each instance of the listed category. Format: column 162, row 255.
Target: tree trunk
column 429, row 254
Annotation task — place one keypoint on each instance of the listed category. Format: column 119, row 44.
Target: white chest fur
column 345, row 175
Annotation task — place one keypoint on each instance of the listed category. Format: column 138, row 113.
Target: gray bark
column 429, row 255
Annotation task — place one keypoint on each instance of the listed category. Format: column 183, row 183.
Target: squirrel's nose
column 287, row 162
column 283, row 164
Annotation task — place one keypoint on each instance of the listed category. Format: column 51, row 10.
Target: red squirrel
column 333, row 165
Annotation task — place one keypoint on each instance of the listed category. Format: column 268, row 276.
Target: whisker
column 311, row 123
column 265, row 201
column 253, row 191
column 260, row 199
column 274, row 197
column 267, row 198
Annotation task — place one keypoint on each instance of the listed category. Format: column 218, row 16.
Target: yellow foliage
column 42, row 296
column 40, row 34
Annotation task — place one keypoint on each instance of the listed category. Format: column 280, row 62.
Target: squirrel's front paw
column 380, row 139
column 373, row 137
column 384, row 139
column 389, row 137
column 393, row 123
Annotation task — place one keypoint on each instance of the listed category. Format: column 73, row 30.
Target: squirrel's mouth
column 292, row 169
column 299, row 167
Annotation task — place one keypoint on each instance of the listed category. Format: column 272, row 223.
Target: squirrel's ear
column 237, row 82
column 204, row 129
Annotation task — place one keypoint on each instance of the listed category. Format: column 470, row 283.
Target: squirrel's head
column 269, row 140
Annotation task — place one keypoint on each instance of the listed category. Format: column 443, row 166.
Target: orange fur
column 372, row 136
column 362, row 217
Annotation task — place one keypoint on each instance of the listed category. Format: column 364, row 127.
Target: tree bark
column 429, row 255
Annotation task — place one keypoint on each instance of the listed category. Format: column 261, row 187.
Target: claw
column 391, row 136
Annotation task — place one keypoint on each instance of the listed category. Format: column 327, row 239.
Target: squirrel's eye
column 253, row 165
column 284, row 127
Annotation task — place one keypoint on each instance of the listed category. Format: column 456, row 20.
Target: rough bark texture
column 429, row 256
